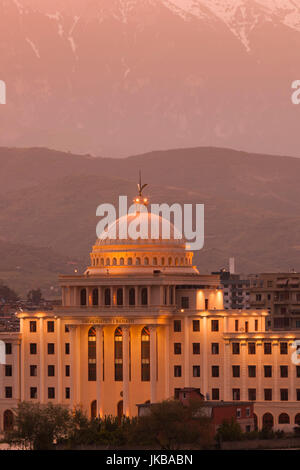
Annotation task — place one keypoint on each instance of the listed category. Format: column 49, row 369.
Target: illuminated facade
column 137, row 326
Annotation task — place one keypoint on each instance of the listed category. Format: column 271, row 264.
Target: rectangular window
column 68, row 371
column 268, row 371
column 8, row 370
column 8, row 392
column 67, row 393
column 51, row 371
column 284, row 394
column 215, row 394
column 196, row 348
column 8, row 349
column 251, row 348
column 50, row 326
column 252, row 394
column 235, row 348
column 50, row 348
column 176, row 393
column 67, row 329
column 32, row 326
column 268, row 348
column 235, row 371
column 284, row 372
column 268, row 394
column 251, row 371
column 238, row 412
column 298, row 394
column 51, row 393
column 215, row 372
column 92, row 371
column 236, row 325
column 256, row 325
column 236, row 394
column 177, row 371
column 177, row 326
column 33, row 371
column 177, row 348
column 185, row 302
column 298, row 371
column 215, row 325
column 283, row 348
column 215, row 348
column 67, row 348
column 33, row 393
column 33, row 348
column 118, row 372
column 196, row 371
column 196, row 325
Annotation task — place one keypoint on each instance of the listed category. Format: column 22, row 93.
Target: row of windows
column 236, row 370
column 50, row 348
column 214, row 325
column 109, row 299
column 138, row 261
column 252, row 394
column 50, row 326
column 33, row 393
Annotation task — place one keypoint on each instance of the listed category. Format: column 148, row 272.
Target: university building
column 140, row 325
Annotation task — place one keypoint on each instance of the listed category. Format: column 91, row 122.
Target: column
column 137, row 300
column 99, row 365
column 226, row 393
column 275, row 345
column 16, row 371
column 74, row 378
column 153, row 363
column 59, row 361
column 187, row 371
column 42, row 361
column 259, row 392
column 244, row 395
column 125, row 331
column 204, row 371
column 292, row 375
column 149, row 295
column 22, row 361
column 167, row 361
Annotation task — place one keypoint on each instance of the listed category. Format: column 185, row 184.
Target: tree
column 35, row 296
column 171, row 425
column 7, row 294
column 229, row 431
column 39, row 427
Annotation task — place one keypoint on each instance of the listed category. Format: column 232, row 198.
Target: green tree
column 7, row 294
column 229, row 431
column 170, row 425
column 35, row 296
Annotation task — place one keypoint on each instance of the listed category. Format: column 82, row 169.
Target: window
column 283, row 348
column 67, row 348
column 51, row 348
column 238, row 412
column 8, row 392
column 177, row 326
column 107, row 297
column 33, row 371
column 118, row 355
column 33, row 348
column 8, row 349
column 67, row 371
column 119, row 297
column 268, row 371
column 235, row 371
column 92, row 355
column 95, row 297
column 185, row 302
column 251, row 348
column 247, row 415
column 235, row 348
column 83, row 297
column 50, row 326
column 236, row 325
column 252, row 394
column 33, row 393
column 246, row 326
column 215, row 325
column 67, row 395
column 251, row 371
column 215, row 394
column 236, row 394
column 268, row 394
column 298, row 394
column 177, row 348
column 267, row 348
column 215, row 348
column 256, row 325
column 144, row 296
column 32, row 326
column 8, row 370
column 284, row 371
column 67, row 329
column 215, row 371
column 176, row 393
column 51, row 371
column 196, row 325
column 132, row 296
column 145, row 354
column 206, row 304
column 196, row 348
column 177, row 371
column 196, row 371
column 284, row 394
column 51, row 393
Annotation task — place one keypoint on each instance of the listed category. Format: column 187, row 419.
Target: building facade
column 139, row 325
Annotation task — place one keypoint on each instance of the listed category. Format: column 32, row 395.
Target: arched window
column 120, row 296
column 129, row 261
column 95, row 297
column 144, row 296
column 284, row 418
column 114, row 261
column 268, row 421
column 146, row 261
column 138, row 261
column 83, row 297
column 107, row 261
column 121, row 261
column 145, row 355
column 107, row 297
column 8, row 420
column 118, row 355
column 297, row 419
column 132, row 296
column 94, row 409
column 155, row 261
column 92, row 354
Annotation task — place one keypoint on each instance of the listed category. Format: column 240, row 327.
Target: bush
column 229, row 431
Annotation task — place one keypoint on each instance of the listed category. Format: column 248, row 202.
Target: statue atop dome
column 140, row 199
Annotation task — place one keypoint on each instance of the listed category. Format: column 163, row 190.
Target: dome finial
column 140, row 199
